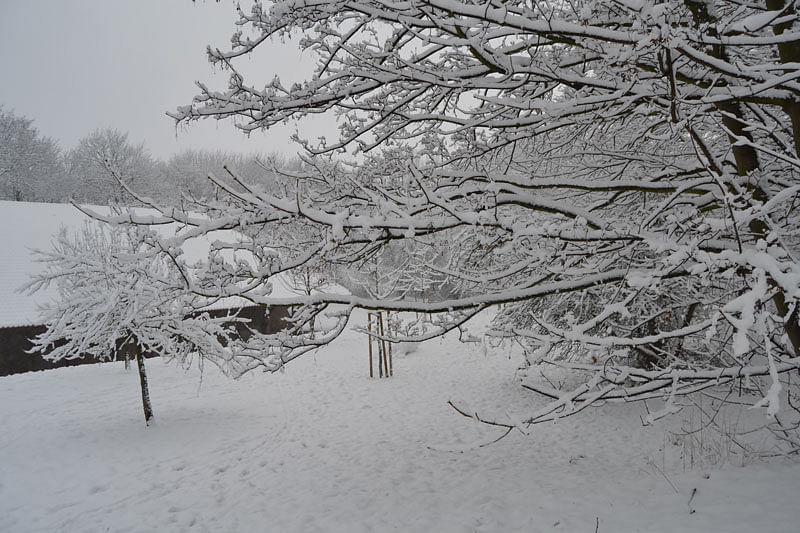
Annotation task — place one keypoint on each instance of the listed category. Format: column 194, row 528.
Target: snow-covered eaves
column 24, row 227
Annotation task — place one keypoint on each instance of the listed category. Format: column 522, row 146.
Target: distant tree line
column 34, row 168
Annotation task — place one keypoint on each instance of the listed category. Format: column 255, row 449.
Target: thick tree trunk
column 746, row 157
column 789, row 52
column 149, row 419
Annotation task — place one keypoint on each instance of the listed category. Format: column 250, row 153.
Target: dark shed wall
column 14, row 342
column 14, row 359
column 261, row 319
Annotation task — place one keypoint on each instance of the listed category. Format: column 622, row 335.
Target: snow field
column 321, row 447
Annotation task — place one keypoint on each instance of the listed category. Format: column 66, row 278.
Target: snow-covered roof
column 25, row 227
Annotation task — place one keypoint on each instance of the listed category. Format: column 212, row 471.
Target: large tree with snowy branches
column 620, row 178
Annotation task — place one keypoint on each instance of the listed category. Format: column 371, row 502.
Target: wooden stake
column 383, row 346
column 369, row 340
column 390, row 359
column 378, row 344
column 389, row 329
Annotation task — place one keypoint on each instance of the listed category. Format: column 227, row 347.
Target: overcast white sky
column 74, row 66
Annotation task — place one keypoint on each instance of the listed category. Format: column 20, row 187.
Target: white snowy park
column 321, row 447
column 439, row 265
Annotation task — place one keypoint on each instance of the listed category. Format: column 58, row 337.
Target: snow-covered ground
column 322, row 447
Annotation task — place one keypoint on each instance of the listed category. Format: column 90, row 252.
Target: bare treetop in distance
column 105, row 163
column 104, row 158
column 28, row 162
column 620, row 179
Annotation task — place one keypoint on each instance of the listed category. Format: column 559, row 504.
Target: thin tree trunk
column 789, row 52
column 746, row 157
column 149, row 419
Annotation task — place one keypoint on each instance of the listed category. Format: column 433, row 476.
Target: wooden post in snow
column 378, row 344
column 389, row 329
column 383, row 346
column 369, row 341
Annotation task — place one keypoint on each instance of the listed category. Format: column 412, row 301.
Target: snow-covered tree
column 105, row 163
column 30, row 166
column 621, row 177
column 115, row 298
